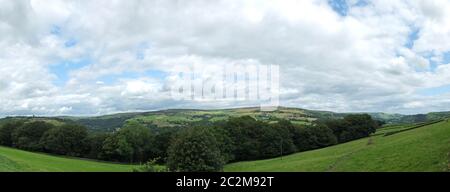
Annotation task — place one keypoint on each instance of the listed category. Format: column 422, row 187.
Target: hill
column 425, row 148
column 411, row 147
column 183, row 117
column 14, row 160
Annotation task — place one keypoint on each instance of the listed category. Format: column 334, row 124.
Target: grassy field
column 423, row 149
column 183, row 117
column 18, row 161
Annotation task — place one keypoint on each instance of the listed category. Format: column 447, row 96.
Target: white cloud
column 354, row 63
column 435, row 26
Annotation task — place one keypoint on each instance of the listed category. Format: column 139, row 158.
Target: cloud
column 363, row 60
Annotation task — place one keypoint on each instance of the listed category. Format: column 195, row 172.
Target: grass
column 423, row 149
column 14, row 160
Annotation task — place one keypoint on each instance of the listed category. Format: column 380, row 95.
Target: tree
column 380, row 123
column 276, row 140
column 195, row 149
column 132, row 143
column 245, row 132
column 225, row 142
column 28, row 136
column 313, row 137
column 68, row 139
column 322, row 136
column 113, row 151
column 338, row 126
column 161, row 141
column 353, row 127
column 245, row 138
column 303, row 139
column 284, row 129
column 95, row 145
column 6, row 132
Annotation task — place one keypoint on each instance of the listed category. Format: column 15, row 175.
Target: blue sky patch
column 70, row 43
column 435, row 90
column 113, row 78
column 141, row 48
column 429, row 55
column 55, row 30
column 362, row 3
column 63, row 68
column 339, row 6
column 412, row 37
column 342, row 7
column 446, row 58
column 155, row 74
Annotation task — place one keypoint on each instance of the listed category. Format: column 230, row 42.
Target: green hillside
column 183, row 117
column 421, row 149
column 13, row 160
column 406, row 148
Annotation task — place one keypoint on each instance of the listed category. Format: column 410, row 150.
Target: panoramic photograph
column 224, row 86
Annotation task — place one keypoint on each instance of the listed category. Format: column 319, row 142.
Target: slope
column 18, row 160
column 423, row 149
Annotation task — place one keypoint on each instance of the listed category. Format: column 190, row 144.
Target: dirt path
column 448, row 162
column 447, row 169
column 370, row 141
column 334, row 165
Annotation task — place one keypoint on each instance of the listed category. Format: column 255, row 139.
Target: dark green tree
column 322, row 136
column 313, row 137
column 68, row 139
column 246, row 133
column 225, row 142
column 95, row 143
column 353, row 127
column 112, row 150
column 29, row 135
column 161, row 141
column 195, row 149
column 6, row 132
column 276, row 140
column 132, row 143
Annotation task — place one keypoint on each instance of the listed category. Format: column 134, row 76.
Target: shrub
column 151, row 166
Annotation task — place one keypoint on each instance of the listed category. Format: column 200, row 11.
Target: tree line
column 208, row 148
column 200, row 147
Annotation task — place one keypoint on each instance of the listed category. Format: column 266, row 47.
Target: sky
column 106, row 56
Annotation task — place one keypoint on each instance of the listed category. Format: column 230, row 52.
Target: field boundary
column 447, row 168
column 411, row 128
column 448, row 162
